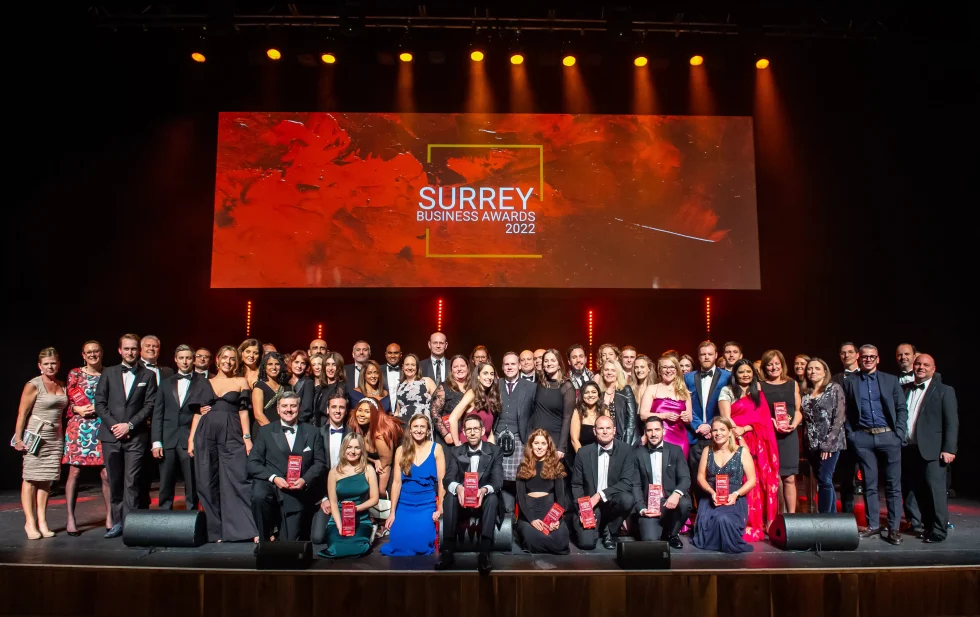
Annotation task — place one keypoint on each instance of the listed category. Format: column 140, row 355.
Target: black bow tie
column 656, row 449
column 288, row 429
column 919, row 386
column 149, row 365
column 334, row 431
column 605, row 451
column 130, row 369
column 906, row 374
column 187, row 376
column 707, row 374
column 474, row 452
column 394, row 368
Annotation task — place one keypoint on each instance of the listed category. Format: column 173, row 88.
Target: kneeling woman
column 351, row 480
column 721, row 523
column 414, row 492
column 540, row 484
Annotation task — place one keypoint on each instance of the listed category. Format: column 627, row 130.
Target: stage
column 217, row 579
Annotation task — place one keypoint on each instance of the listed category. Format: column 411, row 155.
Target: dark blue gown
column 720, row 528
column 414, row 532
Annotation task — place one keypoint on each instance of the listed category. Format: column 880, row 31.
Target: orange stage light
column 568, row 60
column 248, row 319
column 591, row 315
column 517, row 59
column 697, row 60
column 762, row 63
column 319, row 331
column 439, row 317
column 707, row 315
column 405, row 56
column 273, row 53
column 640, row 61
column 328, row 58
column 476, row 56
column 198, row 57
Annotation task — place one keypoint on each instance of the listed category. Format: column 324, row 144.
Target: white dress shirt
column 510, row 386
column 602, row 475
column 904, row 379
column 656, row 466
column 129, row 378
column 438, row 369
column 155, row 368
column 474, row 468
column 182, row 386
column 335, row 440
column 913, row 401
column 704, row 390
column 290, row 439
column 392, row 376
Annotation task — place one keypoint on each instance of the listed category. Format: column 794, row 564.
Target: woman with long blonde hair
column 353, row 480
column 669, row 400
column 721, row 522
column 541, row 484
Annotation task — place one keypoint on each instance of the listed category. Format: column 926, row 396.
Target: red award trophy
column 585, row 513
column 721, row 488
column 348, row 518
column 553, row 516
column 471, row 492
column 655, row 494
column 445, row 422
column 78, row 398
column 294, row 468
column 782, row 418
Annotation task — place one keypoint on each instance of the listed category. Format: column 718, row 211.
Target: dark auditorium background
column 864, row 181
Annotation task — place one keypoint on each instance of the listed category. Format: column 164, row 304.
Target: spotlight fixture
column 198, row 57
column 273, row 53
column 328, row 58
column 476, row 55
column 762, row 63
column 697, row 60
column 405, row 56
column 640, row 61
column 568, row 60
column 517, row 59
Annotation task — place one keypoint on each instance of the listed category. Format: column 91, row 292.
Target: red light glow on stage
column 439, row 316
column 591, row 322
column 248, row 319
column 568, row 60
column 273, row 54
column 517, row 59
column 198, row 57
column 476, row 56
column 762, row 63
column 319, row 330
column 707, row 316
column 405, row 56
column 328, row 58
column 697, row 60
column 640, row 61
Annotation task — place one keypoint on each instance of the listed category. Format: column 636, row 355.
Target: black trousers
column 291, row 512
column 172, row 459
column 844, row 475
column 452, row 513
column 869, row 448
column 669, row 522
column 609, row 515
column 924, row 492
column 124, row 468
column 508, row 495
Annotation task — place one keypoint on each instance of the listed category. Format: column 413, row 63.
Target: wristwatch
column 247, row 436
column 130, row 425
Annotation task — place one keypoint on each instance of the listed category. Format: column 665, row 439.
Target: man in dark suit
column 202, row 362
column 933, row 426
column 603, row 473
column 517, row 404
column 704, row 385
column 435, row 367
column 331, row 436
column 150, row 358
column 276, row 501
column 877, row 421
column 486, row 460
column 361, row 354
column 171, row 429
column 391, row 371
column 123, row 401
column 845, row 474
column 661, row 463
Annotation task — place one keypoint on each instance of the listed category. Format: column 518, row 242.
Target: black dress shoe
column 917, row 531
column 74, row 534
column 892, row 537
column 446, row 560
column 115, row 532
column 675, row 542
column 484, row 564
column 931, row 539
column 609, row 542
column 871, row 532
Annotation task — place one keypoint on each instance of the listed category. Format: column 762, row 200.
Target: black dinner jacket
column 114, row 407
column 384, row 378
column 520, row 402
column 892, row 404
column 349, row 374
column 843, row 376
column 325, row 438
column 307, row 395
column 270, row 453
column 427, row 371
column 621, row 476
column 937, row 424
column 675, row 474
column 171, row 424
column 490, row 471
column 165, row 371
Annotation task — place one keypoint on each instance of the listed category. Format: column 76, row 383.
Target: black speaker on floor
column 165, row 528
column 640, row 555
column 822, row 532
column 468, row 535
column 283, row 555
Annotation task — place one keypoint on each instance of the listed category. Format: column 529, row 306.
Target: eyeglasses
column 473, row 429
column 869, row 357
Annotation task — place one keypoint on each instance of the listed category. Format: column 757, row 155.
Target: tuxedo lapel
column 137, row 376
column 280, row 439
column 715, row 378
column 176, row 393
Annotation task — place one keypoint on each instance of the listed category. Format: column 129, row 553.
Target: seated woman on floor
column 721, row 523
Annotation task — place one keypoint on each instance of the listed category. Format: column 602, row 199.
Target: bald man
column 538, row 356
column 317, row 346
column 526, row 365
column 933, row 424
column 435, row 366
column 904, row 358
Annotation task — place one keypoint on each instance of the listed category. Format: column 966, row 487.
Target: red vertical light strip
column 591, row 322
column 707, row 316
column 439, row 317
column 248, row 319
column 319, row 330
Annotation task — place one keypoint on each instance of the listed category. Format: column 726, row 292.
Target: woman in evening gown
column 541, row 484
column 353, row 479
column 720, row 525
column 554, row 401
column 582, row 431
column 669, row 400
column 272, row 384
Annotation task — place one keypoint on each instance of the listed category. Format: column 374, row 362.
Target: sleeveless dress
column 412, row 398
column 586, row 434
column 720, row 528
column 414, row 532
column 82, row 445
column 223, row 487
column 352, row 488
column 788, row 443
column 45, row 420
column 674, row 432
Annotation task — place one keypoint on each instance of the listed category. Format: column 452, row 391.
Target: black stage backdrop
column 863, row 188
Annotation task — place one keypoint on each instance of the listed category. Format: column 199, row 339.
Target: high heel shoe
column 75, row 534
column 32, row 535
column 48, row 533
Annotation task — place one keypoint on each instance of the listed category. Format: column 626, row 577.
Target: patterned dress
column 82, row 446
column 413, row 398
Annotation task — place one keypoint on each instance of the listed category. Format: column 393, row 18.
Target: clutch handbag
column 382, row 510
column 31, row 441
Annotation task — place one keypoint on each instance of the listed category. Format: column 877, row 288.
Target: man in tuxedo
column 603, row 473
column 317, row 346
column 733, row 353
column 202, row 362
column 435, row 367
column 849, row 359
column 876, row 426
column 484, row 459
column 517, row 404
column 933, row 426
column 704, row 385
column 331, row 436
column 171, row 429
column 391, row 371
column 847, row 464
column 905, row 358
column 577, row 371
column 279, row 503
column 661, row 463
column 150, row 358
column 123, row 401
column 526, row 360
column 361, row 354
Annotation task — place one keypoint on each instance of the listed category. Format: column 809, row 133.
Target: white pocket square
column 307, row 449
column 140, row 385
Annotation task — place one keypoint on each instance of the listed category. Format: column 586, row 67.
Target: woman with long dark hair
column 369, row 385
column 823, row 407
column 540, row 484
column 272, row 384
column 482, row 398
column 587, row 411
column 382, row 433
column 332, row 380
column 554, row 401
column 447, row 395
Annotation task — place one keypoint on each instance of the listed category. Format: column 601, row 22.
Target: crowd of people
column 304, row 446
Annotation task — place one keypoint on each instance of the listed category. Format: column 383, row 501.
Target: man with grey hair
column 361, row 354
column 170, row 429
